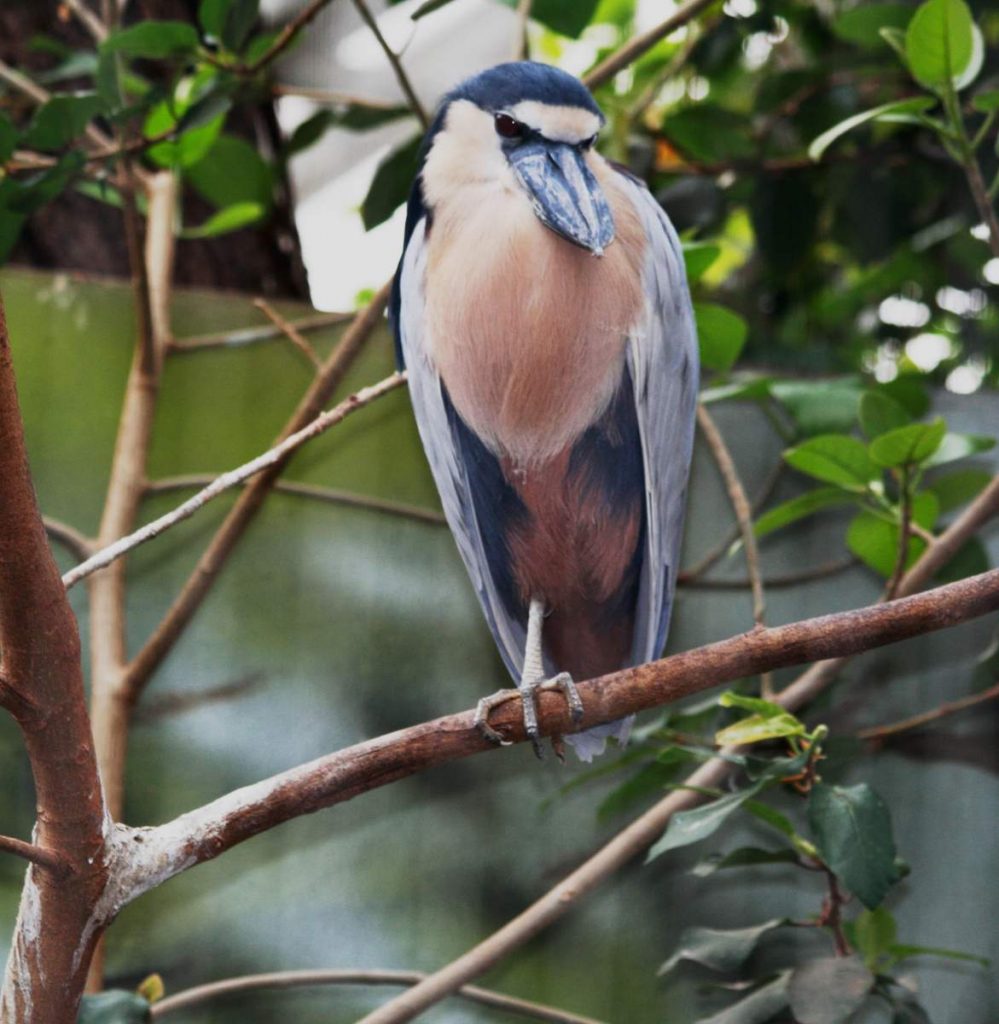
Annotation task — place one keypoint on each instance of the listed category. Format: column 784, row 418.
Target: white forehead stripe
column 558, row 123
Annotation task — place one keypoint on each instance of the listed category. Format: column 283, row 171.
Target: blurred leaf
column 708, row 133
column 692, row 826
column 211, row 16
column 852, row 829
column 829, row 990
column 880, row 413
column 721, row 334
column 114, row 1007
column 758, row 1007
column 970, row 559
column 771, row 816
column 153, row 39
column 766, row 708
column 697, row 257
column 908, row 446
column 27, row 195
column 862, row 24
column 987, row 101
column 908, row 1010
column 875, row 541
column 239, row 18
column 915, row 105
column 427, row 7
column 8, row 138
column 836, row 459
column 903, row 952
column 231, row 218
column 232, row 171
column 197, row 117
column 567, row 17
column 820, row 407
column 960, row 446
column 719, row 949
column 151, row 988
column 800, row 507
column 357, row 118
column 744, row 856
column 959, row 487
column 61, row 120
column 939, row 42
column 650, row 779
column 872, row 934
column 910, row 392
column 391, row 184
column 751, row 388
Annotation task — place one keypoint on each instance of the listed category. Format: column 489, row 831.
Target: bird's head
column 528, row 126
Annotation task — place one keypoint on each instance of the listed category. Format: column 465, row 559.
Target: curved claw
column 482, row 709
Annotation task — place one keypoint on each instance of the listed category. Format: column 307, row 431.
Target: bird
column 542, row 314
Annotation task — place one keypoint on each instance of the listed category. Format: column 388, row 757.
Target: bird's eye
column 509, row 127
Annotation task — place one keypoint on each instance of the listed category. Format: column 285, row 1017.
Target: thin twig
column 877, row 733
column 635, row 47
column 48, row 859
column 299, row 979
column 638, row 836
column 243, row 512
column 790, row 579
column 76, row 542
column 832, row 913
column 284, row 38
column 904, row 531
column 331, row 98
column 288, row 330
column 274, row 456
column 250, row 335
column 90, row 21
column 393, row 58
column 169, row 704
column 329, row 495
column 521, row 44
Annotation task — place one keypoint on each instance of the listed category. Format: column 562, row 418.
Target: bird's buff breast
column 527, row 330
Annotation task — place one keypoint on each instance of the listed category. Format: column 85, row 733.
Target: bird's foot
column 526, row 691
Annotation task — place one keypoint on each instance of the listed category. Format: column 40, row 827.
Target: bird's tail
column 593, row 742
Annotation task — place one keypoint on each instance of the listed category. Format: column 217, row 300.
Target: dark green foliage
column 114, row 1007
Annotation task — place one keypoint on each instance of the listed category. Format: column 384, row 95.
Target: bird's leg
column 532, row 678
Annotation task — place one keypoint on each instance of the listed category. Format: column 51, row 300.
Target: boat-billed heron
column 542, row 312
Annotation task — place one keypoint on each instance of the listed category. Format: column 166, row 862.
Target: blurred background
column 817, row 283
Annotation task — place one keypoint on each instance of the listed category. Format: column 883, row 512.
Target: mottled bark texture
column 41, row 684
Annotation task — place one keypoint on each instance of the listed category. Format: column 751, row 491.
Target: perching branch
column 273, row 457
column 209, row 831
column 302, row 979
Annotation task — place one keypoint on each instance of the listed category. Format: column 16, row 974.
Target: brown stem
column 285, row 38
column 300, row 979
column 250, row 501
column 904, row 532
column 980, row 193
column 72, row 539
column 48, row 859
column 393, row 58
column 832, row 914
column 789, row 579
column 521, row 44
column 635, row 47
column 43, row 690
column 289, row 331
column 250, row 335
column 879, row 733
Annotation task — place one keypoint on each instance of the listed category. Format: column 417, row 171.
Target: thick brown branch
column 301, row 979
column 251, row 500
column 43, row 689
column 207, row 832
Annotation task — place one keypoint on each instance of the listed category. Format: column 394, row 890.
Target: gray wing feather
column 444, row 454
column 663, row 359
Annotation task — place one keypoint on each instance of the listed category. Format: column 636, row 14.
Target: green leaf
column 651, row 778
column 719, row 949
column 800, row 507
column 914, row 106
column 153, row 40
column 872, row 935
column 829, row 990
column 880, row 413
column 764, row 708
column 721, row 334
column 772, row 817
column 427, row 7
column 27, row 195
column 970, row 559
column 356, row 118
column 836, row 459
column 692, row 826
column 903, row 952
column 61, row 120
column 8, row 138
column 757, row 728
column 232, row 171
column 239, row 19
column 115, row 1006
column 567, row 17
column 908, row 446
column 196, row 112
column 231, row 218
column 758, row 1007
column 820, row 407
column 698, row 257
column 852, row 830
column 960, row 446
column 711, row 134
column 959, row 487
column 939, row 42
column 752, row 388
column 875, row 540
column 744, row 856
column 862, row 24
column 211, row 15
column 986, row 102
column 391, row 184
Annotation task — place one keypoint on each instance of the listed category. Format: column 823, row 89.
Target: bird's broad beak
column 565, row 194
